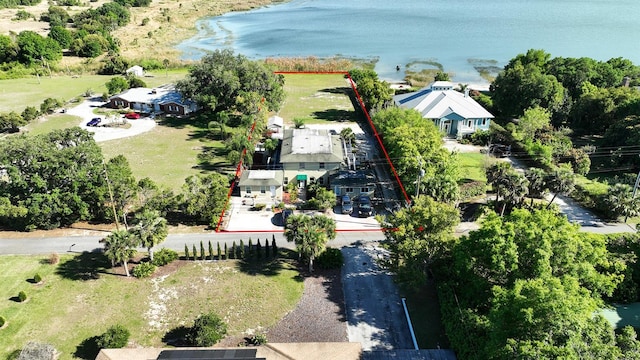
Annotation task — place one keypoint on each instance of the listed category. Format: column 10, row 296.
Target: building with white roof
column 165, row 100
column 453, row 112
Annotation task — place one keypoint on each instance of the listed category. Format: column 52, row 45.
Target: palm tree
column 496, row 174
column 537, row 183
column 620, row 201
column 150, row 230
column 348, row 135
column 561, row 181
column 515, row 188
column 118, row 247
column 310, row 234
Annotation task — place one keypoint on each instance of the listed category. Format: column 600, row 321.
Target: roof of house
column 270, row 351
column 151, row 96
column 261, row 178
column 135, row 68
column 353, row 178
column 311, row 145
column 439, row 100
column 275, row 121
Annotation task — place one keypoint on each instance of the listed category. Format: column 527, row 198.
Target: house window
column 364, row 190
column 469, row 123
column 248, row 189
column 321, row 181
column 321, row 165
column 312, row 179
column 286, row 180
column 263, row 189
column 301, row 166
column 484, row 122
column 349, row 190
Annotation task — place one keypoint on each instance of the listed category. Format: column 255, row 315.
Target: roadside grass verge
column 71, row 306
column 317, row 98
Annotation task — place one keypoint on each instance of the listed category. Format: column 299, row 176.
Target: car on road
column 365, row 209
column 347, row 204
column 94, row 122
column 132, row 115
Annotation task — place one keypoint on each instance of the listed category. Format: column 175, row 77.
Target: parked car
column 94, row 122
column 347, row 205
column 364, row 206
column 132, row 115
column 285, row 215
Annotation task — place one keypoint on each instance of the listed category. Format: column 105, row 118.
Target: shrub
column 259, row 207
column 164, row 257
column 144, row 270
column 49, row 105
column 54, row 258
column 145, row 21
column 23, row 15
column 207, row 330
column 37, row 278
column 298, row 122
column 195, row 252
column 256, row 340
column 22, row 296
column 330, row 259
column 115, row 337
column 2, row 321
column 472, row 189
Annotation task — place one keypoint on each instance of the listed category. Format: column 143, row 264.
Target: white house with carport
column 454, row 113
column 263, row 185
column 167, row 100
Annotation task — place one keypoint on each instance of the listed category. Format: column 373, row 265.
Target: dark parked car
column 347, row 205
column 364, row 206
column 285, row 215
column 94, row 122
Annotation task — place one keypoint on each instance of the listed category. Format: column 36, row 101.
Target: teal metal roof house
column 453, row 112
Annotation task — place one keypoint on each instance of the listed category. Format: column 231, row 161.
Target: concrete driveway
column 102, row 133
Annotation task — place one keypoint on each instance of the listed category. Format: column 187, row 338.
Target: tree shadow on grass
column 84, row 266
column 335, row 115
column 271, row 266
column 88, row 348
column 177, row 336
column 346, row 90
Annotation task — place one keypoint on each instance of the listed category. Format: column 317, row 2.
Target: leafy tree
column 442, row 76
column 204, row 196
column 418, row 236
column 135, row 82
column 33, row 48
column 207, row 330
column 533, row 120
column 49, row 105
column 514, row 189
column 151, row 229
column 11, row 122
column 123, row 187
column 8, row 49
column 310, row 234
column 116, row 337
column 561, row 181
column 348, row 135
column 119, row 247
column 375, row 94
column 496, row 176
column 56, row 16
column 537, row 183
column 326, row 199
column 30, row 113
column 116, row 85
column 223, row 81
column 60, row 34
column 113, row 64
column 619, row 201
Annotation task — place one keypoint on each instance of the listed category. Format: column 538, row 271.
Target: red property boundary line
column 366, row 113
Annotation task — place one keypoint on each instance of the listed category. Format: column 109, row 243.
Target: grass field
column 472, row 166
column 321, row 99
column 53, row 122
column 16, row 94
column 67, row 308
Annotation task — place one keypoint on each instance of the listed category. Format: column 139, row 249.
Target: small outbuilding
column 135, row 70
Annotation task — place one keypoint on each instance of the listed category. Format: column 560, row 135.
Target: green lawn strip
column 472, row 166
column 317, row 98
column 53, row 122
column 167, row 154
column 424, row 310
column 64, row 312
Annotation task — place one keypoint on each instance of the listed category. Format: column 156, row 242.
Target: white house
column 453, row 112
column 135, row 70
column 165, row 100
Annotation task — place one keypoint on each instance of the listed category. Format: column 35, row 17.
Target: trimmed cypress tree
column 234, row 253
column 202, row 256
column 219, row 252
column 258, row 249
column 226, row 252
column 250, row 250
column 186, row 252
column 274, row 248
column 210, row 251
column 241, row 249
column 195, row 253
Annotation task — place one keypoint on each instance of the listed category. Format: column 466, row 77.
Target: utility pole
column 113, row 204
column 420, row 176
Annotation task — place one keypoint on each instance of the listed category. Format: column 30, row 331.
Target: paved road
column 375, row 317
column 176, row 242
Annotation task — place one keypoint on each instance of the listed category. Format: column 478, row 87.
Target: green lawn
column 16, row 94
column 68, row 308
column 53, row 122
column 318, row 98
column 424, row 309
column 472, row 166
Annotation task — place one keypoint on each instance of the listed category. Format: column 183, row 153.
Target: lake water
column 454, row 33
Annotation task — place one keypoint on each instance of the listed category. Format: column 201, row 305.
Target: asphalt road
column 375, row 317
column 39, row 245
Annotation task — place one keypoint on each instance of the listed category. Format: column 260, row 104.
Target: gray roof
column 261, row 178
column 353, row 178
column 151, row 96
column 311, row 145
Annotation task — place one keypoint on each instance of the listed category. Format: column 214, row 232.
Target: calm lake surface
column 458, row 34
